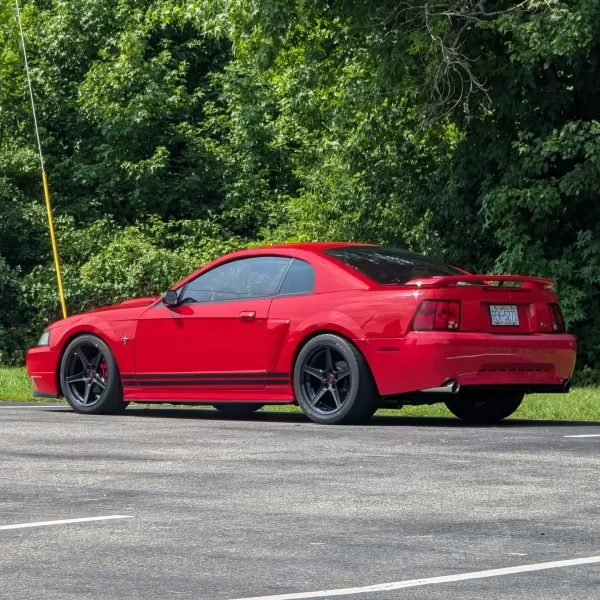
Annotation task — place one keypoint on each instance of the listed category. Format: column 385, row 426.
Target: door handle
column 247, row 315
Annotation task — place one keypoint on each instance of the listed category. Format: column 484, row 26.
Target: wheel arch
column 65, row 344
column 313, row 334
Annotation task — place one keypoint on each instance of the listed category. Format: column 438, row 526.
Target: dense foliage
column 175, row 130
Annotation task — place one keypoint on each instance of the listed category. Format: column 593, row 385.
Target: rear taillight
column 425, row 316
column 558, row 322
column 438, row 315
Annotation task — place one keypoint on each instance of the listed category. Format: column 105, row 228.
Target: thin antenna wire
column 61, row 292
column 37, row 132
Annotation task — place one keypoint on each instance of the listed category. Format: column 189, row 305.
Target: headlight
column 45, row 339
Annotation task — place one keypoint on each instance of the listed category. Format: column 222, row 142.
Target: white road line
column 399, row 585
column 34, row 406
column 581, row 435
column 64, row 522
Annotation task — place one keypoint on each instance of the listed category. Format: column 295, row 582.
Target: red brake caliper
column 103, row 368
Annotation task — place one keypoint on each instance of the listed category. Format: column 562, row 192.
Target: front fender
column 112, row 333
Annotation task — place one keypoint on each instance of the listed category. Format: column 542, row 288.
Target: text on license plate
column 505, row 315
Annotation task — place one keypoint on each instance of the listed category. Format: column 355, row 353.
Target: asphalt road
column 223, row 509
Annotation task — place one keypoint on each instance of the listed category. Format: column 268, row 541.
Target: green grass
column 580, row 405
column 583, row 404
column 15, row 385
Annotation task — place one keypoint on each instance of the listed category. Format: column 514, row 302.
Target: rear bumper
column 428, row 359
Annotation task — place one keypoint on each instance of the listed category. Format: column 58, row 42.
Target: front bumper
column 41, row 363
column 428, row 359
column 38, row 394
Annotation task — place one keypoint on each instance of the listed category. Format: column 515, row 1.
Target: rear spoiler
column 454, row 280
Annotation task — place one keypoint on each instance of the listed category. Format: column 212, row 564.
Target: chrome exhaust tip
column 450, row 387
column 567, row 386
column 453, row 386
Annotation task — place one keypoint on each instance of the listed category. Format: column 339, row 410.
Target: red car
column 340, row 329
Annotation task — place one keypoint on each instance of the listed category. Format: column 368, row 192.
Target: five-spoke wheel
column 87, row 374
column 89, row 377
column 332, row 381
column 326, row 379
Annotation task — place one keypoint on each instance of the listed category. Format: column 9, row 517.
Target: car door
column 216, row 337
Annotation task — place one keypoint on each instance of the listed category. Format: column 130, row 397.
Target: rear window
column 300, row 279
column 390, row 266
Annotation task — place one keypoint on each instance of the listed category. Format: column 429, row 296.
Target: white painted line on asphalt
column 64, row 522
column 34, row 406
column 399, row 585
column 582, row 435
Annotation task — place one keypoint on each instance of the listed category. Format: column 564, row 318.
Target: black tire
column 484, row 407
column 339, row 389
column 91, row 358
column 238, row 409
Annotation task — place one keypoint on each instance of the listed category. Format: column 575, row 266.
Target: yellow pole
column 61, row 292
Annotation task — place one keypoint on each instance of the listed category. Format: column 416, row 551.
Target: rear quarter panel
column 367, row 315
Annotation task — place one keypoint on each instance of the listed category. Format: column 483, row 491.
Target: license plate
column 504, row 315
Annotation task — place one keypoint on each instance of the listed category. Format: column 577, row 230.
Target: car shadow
column 278, row 416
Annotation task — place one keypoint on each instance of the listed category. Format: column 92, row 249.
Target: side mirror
column 170, row 298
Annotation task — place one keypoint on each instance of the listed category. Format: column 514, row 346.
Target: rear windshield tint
column 390, row 266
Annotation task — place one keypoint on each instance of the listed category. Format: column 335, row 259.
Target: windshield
column 390, row 266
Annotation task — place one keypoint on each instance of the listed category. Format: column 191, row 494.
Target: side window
column 244, row 278
column 300, row 279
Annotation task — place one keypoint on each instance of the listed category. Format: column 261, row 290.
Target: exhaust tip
column 453, row 386
column 450, row 387
column 567, row 386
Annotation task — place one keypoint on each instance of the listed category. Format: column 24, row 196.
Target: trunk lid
column 519, row 308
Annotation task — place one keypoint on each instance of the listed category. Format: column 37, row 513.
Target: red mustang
column 341, row 329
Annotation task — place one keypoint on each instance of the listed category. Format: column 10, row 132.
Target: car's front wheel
column 89, row 377
column 333, row 383
column 484, row 407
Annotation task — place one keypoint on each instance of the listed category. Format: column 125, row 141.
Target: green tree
column 178, row 129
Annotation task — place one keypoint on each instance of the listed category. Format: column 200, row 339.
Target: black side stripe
column 227, row 376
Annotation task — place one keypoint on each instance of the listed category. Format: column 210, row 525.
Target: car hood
column 128, row 309
column 135, row 303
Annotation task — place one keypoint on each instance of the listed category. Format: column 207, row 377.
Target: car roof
column 316, row 246
column 306, row 246
column 290, row 250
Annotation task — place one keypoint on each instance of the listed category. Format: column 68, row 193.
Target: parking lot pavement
column 219, row 509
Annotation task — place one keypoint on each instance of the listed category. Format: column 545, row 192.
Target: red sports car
column 340, row 329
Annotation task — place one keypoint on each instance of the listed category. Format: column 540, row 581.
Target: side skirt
column 210, row 396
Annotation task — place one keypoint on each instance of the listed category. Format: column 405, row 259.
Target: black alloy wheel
column 333, row 383
column 89, row 377
column 326, row 380
column 484, row 406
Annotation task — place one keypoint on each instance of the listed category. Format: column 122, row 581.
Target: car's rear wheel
column 484, row 407
column 90, row 378
column 238, row 409
column 333, row 383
